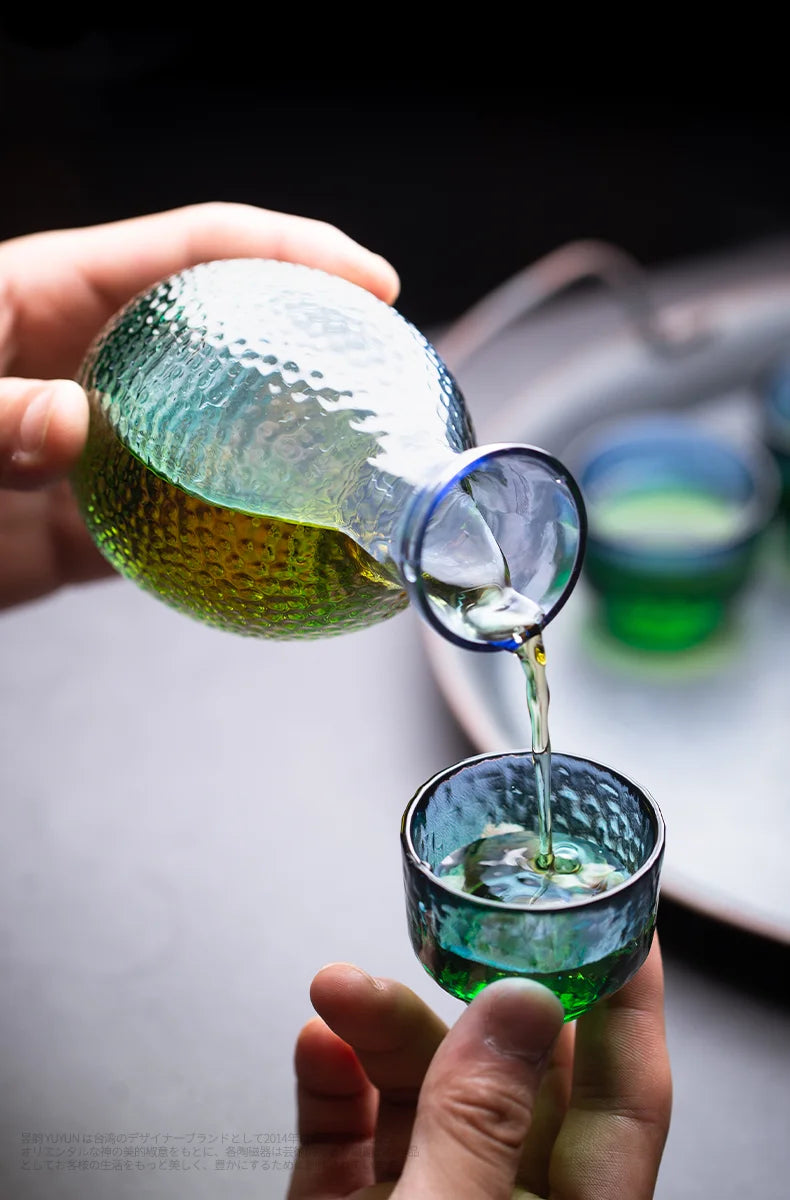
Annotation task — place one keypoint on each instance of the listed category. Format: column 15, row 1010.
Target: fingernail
column 376, row 983
column 524, row 1020
column 347, row 966
column 35, row 421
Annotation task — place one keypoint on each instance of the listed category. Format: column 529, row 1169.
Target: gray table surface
column 195, row 822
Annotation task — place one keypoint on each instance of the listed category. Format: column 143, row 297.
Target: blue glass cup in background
column 583, row 950
column 676, row 512
column 775, row 401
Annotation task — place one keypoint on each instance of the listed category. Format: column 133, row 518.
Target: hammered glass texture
column 255, row 430
column 588, row 801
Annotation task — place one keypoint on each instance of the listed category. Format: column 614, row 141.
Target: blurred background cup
column 676, row 513
column 775, row 410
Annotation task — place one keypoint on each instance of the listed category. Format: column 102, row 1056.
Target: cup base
column 577, row 990
column 662, row 625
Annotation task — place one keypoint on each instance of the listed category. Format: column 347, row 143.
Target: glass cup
column 582, row 949
column 675, row 517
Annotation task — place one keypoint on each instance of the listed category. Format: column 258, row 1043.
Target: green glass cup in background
column 676, row 513
column 583, row 949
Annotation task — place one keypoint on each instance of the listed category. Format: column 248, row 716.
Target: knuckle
column 218, row 214
column 327, row 227
column 474, row 1111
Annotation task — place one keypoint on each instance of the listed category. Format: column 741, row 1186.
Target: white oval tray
column 708, row 732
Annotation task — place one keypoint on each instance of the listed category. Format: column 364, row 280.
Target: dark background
column 458, row 185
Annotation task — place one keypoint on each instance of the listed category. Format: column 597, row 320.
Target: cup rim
column 757, row 513
column 600, row 898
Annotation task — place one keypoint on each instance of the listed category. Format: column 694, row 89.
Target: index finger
column 140, row 250
column 67, row 283
column 616, row 1127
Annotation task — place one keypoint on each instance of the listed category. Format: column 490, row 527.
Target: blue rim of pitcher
column 428, row 500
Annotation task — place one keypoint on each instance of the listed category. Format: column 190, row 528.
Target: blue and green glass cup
column 583, row 949
column 676, row 513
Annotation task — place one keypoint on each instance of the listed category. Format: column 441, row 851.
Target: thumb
column 43, row 426
column 477, row 1099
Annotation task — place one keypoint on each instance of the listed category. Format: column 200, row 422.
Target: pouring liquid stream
column 515, row 863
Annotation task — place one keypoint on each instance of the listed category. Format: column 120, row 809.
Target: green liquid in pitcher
column 239, row 571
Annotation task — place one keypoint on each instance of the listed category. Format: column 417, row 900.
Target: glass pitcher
column 275, row 451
